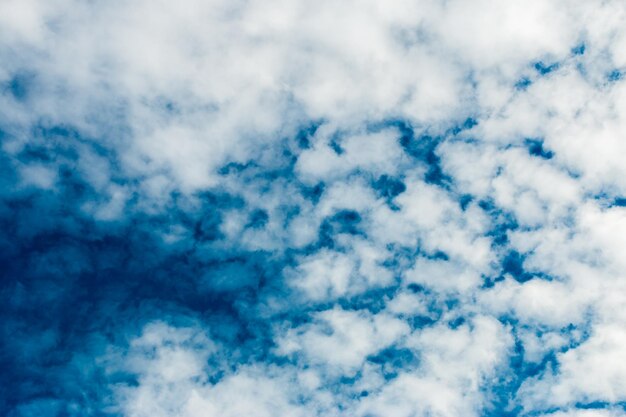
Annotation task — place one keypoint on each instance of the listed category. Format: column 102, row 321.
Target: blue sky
column 286, row 208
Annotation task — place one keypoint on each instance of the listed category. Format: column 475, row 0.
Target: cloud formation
column 286, row 208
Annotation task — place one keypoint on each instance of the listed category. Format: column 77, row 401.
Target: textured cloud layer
column 292, row 208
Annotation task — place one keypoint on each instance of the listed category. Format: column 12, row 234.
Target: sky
column 232, row 208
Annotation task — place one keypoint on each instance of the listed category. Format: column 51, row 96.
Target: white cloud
column 588, row 373
column 375, row 153
column 454, row 366
column 158, row 96
column 341, row 340
column 38, row 175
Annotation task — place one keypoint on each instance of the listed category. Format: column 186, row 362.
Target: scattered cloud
column 283, row 208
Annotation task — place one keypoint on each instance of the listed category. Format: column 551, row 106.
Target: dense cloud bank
column 292, row 208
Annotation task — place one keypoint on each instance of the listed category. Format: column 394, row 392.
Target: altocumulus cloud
column 293, row 208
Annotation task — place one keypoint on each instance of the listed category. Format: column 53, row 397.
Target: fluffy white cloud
column 297, row 110
column 455, row 363
column 376, row 153
column 341, row 340
column 590, row 372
